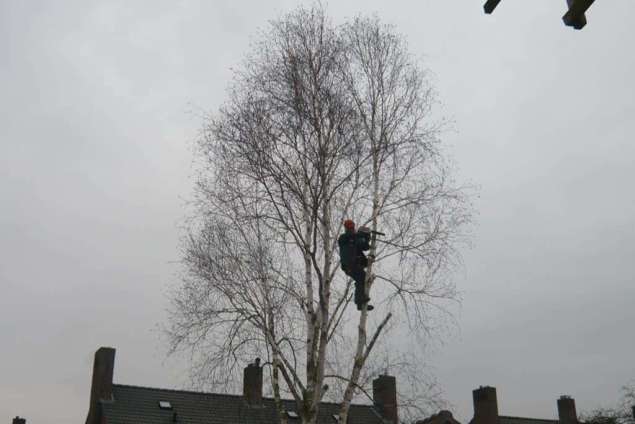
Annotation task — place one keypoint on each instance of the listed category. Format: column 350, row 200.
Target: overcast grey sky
column 95, row 165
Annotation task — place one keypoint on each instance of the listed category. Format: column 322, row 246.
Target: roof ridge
column 224, row 394
column 527, row 418
column 173, row 390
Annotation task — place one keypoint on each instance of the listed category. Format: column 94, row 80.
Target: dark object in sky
column 575, row 15
column 490, row 5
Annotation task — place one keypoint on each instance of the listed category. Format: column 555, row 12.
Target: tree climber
column 352, row 246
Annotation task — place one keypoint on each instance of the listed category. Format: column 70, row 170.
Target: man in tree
column 352, row 246
column 322, row 120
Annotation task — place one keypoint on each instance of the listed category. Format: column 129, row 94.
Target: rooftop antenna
column 574, row 17
column 490, row 5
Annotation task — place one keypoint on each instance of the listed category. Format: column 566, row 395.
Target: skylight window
column 164, row 404
column 292, row 414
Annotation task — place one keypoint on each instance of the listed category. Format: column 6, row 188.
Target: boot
column 369, row 307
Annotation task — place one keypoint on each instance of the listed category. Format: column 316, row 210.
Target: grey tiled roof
column 506, row 419
column 502, row 419
column 140, row 405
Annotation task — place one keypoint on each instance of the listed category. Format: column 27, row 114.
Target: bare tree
column 622, row 413
column 322, row 123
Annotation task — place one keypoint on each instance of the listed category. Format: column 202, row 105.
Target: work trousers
column 359, row 276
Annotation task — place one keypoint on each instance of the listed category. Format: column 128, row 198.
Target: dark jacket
column 352, row 247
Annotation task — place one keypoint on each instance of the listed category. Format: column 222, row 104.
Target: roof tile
column 140, row 405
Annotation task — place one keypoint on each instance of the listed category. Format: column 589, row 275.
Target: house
column 123, row 404
column 112, row 403
column 486, row 410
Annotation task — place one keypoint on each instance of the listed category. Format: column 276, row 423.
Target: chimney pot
column 566, row 410
column 485, row 405
column 252, row 383
column 385, row 397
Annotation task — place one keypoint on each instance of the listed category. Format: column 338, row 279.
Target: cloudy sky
column 100, row 102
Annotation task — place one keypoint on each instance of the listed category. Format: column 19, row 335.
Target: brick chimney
column 101, row 388
column 385, row 397
column 18, row 420
column 252, row 383
column 485, row 405
column 566, row 410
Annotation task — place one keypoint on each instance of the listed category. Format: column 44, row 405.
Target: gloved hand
column 363, row 230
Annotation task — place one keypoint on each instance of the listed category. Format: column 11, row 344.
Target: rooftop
column 140, row 405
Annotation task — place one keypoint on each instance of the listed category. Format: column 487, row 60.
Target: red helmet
column 349, row 224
